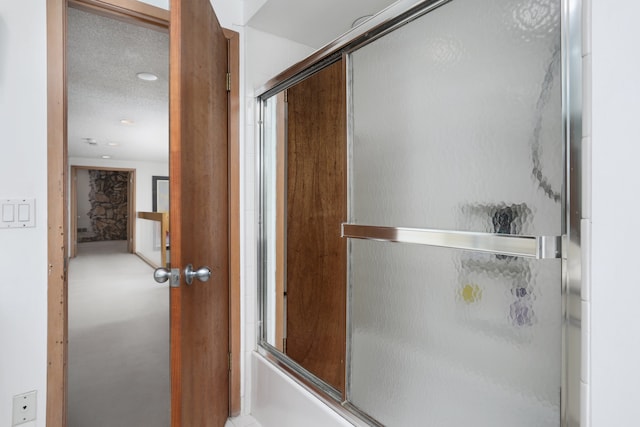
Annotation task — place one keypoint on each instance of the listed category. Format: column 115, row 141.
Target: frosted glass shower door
column 456, row 130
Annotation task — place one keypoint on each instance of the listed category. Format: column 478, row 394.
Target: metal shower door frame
column 574, row 226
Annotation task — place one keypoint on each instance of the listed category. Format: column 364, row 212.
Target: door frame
column 58, row 198
column 131, row 206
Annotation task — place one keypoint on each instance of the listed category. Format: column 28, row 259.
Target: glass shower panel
column 457, row 121
column 457, row 125
column 441, row 337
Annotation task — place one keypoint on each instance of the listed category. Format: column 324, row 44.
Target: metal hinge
column 286, row 95
column 228, row 82
column 284, row 345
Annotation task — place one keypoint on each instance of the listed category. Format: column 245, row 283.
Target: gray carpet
column 118, row 340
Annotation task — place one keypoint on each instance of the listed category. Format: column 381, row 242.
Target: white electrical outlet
column 24, row 408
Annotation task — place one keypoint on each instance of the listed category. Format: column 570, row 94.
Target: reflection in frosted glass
column 456, row 124
column 449, row 338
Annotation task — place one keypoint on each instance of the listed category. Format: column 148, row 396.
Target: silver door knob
column 161, row 275
column 202, row 274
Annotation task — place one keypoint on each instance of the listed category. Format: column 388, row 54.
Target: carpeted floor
column 118, row 340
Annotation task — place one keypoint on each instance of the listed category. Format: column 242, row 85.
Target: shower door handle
column 539, row 247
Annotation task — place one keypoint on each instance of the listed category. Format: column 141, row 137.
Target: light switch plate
column 18, row 213
column 24, row 408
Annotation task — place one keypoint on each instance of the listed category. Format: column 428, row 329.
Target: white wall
column 164, row 4
column 23, row 173
column 615, row 289
column 268, row 55
column 83, row 189
column 229, row 13
column 144, row 197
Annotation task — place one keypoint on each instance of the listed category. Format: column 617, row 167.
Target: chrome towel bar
column 539, row 247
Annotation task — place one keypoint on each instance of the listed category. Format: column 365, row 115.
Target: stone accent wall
column 109, row 205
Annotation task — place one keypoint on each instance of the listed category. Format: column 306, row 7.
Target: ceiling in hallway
column 104, row 56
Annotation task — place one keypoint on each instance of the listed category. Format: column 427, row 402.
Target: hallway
column 118, row 340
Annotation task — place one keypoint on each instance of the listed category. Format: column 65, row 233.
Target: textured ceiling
column 104, row 56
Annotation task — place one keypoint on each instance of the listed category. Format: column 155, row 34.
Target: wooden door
column 316, row 208
column 199, row 215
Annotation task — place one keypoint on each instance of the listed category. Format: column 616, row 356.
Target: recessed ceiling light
column 126, row 121
column 113, row 144
column 105, row 157
column 150, row 77
column 90, row 141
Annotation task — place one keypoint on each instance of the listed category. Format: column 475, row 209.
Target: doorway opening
column 103, row 206
column 58, row 237
column 118, row 317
